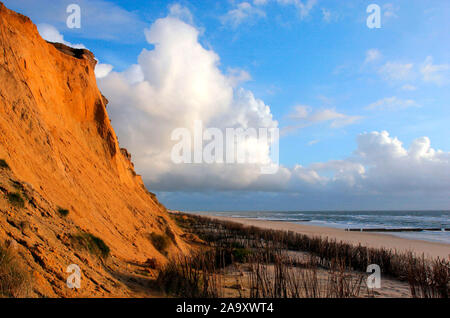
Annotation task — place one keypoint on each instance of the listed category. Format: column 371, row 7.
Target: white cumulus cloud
column 173, row 86
column 102, row 70
column 380, row 166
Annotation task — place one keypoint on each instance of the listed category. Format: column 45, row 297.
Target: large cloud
column 179, row 82
column 380, row 174
column 395, row 169
column 173, row 86
column 382, row 166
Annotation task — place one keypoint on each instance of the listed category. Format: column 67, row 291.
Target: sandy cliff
column 56, row 138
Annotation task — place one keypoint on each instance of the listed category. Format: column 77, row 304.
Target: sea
column 362, row 220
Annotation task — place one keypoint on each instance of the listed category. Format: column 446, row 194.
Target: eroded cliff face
column 62, row 152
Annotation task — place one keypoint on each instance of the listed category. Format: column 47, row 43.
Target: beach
column 375, row 240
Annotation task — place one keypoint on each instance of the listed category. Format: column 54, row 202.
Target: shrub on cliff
column 63, row 212
column 91, row 243
column 160, row 242
column 16, row 199
column 3, row 164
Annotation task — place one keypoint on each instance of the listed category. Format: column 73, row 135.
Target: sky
column 363, row 113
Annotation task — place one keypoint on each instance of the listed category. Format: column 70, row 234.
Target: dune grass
column 15, row 282
column 91, row 243
column 427, row 278
column 190, row 277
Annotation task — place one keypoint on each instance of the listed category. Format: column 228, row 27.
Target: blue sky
column 317, row 57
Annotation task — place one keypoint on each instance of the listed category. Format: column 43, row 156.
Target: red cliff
column 62, row 154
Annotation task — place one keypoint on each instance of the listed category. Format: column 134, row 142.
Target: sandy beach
column 429, row 249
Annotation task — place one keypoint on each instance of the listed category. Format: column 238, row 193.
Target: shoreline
column 368, row 239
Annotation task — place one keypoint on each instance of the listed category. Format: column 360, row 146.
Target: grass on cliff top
column 4, row 164
column 16, row 199
column 91, row 243
column 14, row 280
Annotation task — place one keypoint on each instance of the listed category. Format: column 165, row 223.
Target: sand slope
column 57, row 139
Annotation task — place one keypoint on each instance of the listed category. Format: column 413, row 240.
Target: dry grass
column 271, row 274
column 15, row 282
column 427, row 278
column 190, row 277
column 286, row 279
